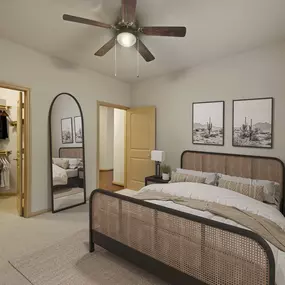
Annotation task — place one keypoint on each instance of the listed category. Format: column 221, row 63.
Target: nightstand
column 81, row 177
column 155, row 180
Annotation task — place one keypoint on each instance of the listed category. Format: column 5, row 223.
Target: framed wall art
column 253, row 123
column 78, row 129
column 208, row 123
column 66, row 130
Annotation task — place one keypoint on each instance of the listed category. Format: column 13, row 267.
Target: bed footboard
column 178, row 247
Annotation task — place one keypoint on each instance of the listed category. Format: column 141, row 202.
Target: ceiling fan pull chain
column 138, row 58
column 116, row 57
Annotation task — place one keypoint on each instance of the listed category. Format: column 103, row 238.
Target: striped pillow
column 179, row 177
column 254, row 191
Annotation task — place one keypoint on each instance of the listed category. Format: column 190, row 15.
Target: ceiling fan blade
column 144, row 51
column 129, row 11
column 80, row 20
column 164, row 31
column 107, row 47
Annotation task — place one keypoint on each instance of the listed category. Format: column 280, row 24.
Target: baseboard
column 8, row 194
column 118, row 184
column 33, row 214
column 106, row 170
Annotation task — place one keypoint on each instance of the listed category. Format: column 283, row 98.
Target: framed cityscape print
column 208, row 123
column 253, row 123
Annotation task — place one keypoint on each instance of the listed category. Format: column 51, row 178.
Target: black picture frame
column 71, row 128
column 234, row 144
column 223, row 122
column 76, row 140
column 50, row 155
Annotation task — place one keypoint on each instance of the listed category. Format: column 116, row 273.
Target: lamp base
column 157, row 169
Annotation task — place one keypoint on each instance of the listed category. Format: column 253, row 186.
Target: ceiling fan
column 127, row 30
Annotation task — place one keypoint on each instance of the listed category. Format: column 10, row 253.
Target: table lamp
column 158, row 156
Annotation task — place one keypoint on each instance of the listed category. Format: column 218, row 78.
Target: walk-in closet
column 11, row 145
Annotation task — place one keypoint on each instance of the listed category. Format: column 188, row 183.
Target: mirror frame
column 50, row 153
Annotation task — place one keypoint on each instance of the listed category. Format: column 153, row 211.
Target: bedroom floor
column 38, row 233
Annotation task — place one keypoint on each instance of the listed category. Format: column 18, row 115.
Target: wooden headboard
column 254, row 167
column 71, row 152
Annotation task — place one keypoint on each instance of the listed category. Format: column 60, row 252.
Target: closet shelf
column 5, row 152
column 5, row 108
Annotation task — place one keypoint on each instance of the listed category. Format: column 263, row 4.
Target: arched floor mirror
column 67, row 153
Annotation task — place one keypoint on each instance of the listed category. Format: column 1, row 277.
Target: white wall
column 63, row 107
column 255, row 74
column 11, row 97
column 106, row 138
column 119, row 146
column 48, row 77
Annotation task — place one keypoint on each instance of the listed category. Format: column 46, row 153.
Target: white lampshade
column 158, row 155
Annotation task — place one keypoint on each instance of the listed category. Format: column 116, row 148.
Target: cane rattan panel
column 263, row 168
column 210, row 254
column 71, row 152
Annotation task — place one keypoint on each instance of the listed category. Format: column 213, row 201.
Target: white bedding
column 72, row 172
column 59, row 175
column 225, row 197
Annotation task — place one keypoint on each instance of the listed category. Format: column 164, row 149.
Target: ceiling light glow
column 126, row 39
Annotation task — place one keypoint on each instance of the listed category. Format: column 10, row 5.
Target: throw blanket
column 258, row 224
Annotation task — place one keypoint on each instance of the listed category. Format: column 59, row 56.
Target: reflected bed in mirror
column 66, row 153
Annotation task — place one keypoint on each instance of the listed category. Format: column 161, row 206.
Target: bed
column 186, row 248
column 67, row 178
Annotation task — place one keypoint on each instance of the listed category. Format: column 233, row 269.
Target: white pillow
column 73, row 162
column 211, row 178
column 61, row 162
column 269, row 190
column 270, row 187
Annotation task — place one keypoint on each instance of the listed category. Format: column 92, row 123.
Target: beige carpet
column 69, row 262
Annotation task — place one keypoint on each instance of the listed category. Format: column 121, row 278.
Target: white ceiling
column 215, row 28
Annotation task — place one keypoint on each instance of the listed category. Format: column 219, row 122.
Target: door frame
column 26, row 190
column 114, row 106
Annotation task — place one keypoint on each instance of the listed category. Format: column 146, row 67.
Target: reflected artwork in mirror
column 67, row 165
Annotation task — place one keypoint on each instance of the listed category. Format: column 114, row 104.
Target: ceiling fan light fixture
column 126, row 39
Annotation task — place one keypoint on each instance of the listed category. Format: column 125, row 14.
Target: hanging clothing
column 5, row 167
column 3, row 127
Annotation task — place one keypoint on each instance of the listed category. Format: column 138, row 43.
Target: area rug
column 69, row 262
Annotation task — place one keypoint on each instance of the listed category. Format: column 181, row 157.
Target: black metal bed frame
column 154, row 266
column 165, row 272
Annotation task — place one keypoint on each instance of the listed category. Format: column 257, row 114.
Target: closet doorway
column 14, row 150
column 111, row 136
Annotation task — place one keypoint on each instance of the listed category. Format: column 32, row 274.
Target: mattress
column 71, row 173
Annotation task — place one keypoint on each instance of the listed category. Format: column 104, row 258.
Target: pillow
column 234, row 178
column 211, row 178
column 179, row 177
column 254, row 191
column 195, row 179
column 271, row 190
column 61, row 162
column 73, row 162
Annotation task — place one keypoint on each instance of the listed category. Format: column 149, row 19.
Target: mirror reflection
column 67, row 153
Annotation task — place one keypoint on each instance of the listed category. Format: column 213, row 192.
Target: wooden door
column 140, row 142
column 20, row 201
